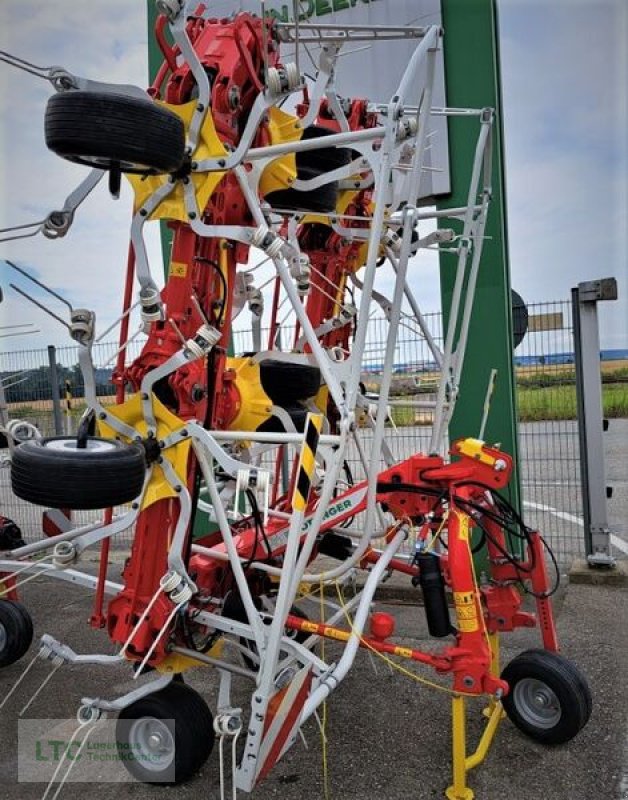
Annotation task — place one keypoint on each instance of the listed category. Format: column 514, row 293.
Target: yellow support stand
column 459, row 789
column 493, row 639
column 461, row 762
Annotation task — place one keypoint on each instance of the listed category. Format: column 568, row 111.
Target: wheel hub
column 537, row 703
column 152, row 743
column 152, row 449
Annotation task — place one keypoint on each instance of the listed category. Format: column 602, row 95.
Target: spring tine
column 22, row 333
column 9, row 58
column 151, row 649
column 197, row 306
column 23, row 227
column 74, row 759
column 21, row 235
column 38, row 283
column 27, row 669
column 120, row 318
column 177, row 330
column 39, row 689
column 40, row 305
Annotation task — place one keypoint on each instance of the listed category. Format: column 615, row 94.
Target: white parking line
column 620, row 544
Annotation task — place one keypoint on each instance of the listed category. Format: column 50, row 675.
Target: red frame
column 231, row 53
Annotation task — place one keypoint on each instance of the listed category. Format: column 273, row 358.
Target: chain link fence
column 548, row 433
column 545, row 393
column 26, row 378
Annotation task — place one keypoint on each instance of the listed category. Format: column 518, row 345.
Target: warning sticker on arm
column 466, row 612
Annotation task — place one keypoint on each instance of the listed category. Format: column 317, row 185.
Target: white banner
column 367, row 69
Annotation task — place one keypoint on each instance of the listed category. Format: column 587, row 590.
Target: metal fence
column 27, row 380
column 546, row 396
column 548, row 438
column 26, row 377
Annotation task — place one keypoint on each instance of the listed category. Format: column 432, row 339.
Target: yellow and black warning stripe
column 307, row 461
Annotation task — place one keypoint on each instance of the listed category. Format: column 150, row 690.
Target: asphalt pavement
column 388, row 737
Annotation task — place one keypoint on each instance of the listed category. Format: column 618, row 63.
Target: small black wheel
column 325, row 158
column 287, row 383
column 311, row 164
column 56, row 473
column 318, row 201
column 167, row 736
column 108, row 130
column 16, row 631
column 549, row 698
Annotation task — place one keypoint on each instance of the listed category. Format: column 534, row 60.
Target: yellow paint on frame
column 281, row 172
column 130, row 412
column 205, row 183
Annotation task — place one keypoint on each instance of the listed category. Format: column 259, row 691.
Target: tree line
column 35, row 384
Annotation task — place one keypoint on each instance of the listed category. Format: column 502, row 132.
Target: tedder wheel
column 310, row 164
column 55, row 472
column 325, row 158
column 287, row 383
column 549, row 698
column 16, row 631
column 107, row 130
column 167, row 736
column 320, row 201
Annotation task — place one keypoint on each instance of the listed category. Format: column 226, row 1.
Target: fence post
column 4, row 416
column 54, row 389
column 597, row 535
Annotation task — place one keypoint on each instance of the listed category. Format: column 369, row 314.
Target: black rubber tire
column 297, row 414
column 310, row 164
column 520, row 319
column 193, row 733
column 325, row 158
column 52, row 472
column 287, row 383
column 569, row 693
column 16, row 628
column 320, row 201
column 106, row 130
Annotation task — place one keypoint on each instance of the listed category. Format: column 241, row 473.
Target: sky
column 563, row 66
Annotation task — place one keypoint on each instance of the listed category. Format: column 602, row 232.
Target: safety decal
column 178, row 269
column 307, row 461
column 466, row 612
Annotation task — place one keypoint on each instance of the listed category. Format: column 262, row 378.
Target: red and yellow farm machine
column 231, row 469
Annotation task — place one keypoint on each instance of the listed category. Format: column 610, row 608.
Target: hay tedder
column 232, row 470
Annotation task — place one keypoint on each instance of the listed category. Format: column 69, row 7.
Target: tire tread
column 194, row 729
column 77, row 479
column 80, row 125
column 567, row 682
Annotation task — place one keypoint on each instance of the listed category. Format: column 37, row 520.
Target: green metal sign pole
column 155, row 59
column 473, row 81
